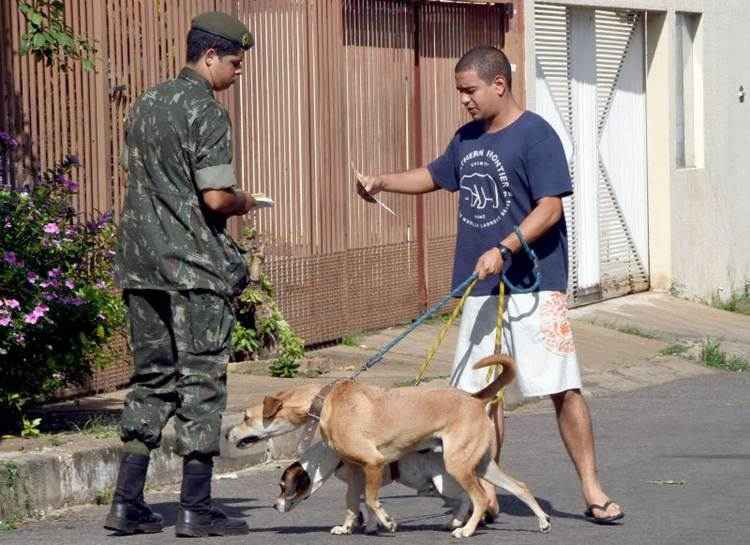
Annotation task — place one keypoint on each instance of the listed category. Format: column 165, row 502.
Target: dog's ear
column 271, row 405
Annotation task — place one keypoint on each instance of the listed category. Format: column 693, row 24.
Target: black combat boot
column 129, row 513
column 197, row 517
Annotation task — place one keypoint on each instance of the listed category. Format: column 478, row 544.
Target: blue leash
column 534, row 270
column 457, row 292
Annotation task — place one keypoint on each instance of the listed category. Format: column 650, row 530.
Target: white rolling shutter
column 621, row 128
column 590, row 87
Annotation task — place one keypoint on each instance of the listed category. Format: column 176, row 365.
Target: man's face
column 482, row 100
column 224, row 70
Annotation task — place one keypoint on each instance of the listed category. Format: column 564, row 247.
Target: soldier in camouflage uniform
column 179, row 270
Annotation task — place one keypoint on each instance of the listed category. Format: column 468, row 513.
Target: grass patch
column 8, row 482
column 104, row 496
column 633, row 330
column 354, row 339
column 7, row 526
column 99, row 427
column 737, row 303
column 627, row 329
column 713, row 356
column 674, row 350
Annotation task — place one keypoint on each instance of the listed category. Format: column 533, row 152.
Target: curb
column 34, row 484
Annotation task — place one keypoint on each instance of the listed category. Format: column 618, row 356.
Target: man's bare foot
column 601, row 508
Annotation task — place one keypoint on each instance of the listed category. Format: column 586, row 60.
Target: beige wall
column 699, row 222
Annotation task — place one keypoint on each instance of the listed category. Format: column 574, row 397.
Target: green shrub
column 261, row 328
column 57, row 305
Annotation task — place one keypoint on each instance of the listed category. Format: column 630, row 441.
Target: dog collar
column 314, row 412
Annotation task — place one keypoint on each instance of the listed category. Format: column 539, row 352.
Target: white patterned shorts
column 536, row 333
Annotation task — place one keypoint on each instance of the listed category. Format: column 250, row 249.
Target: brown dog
column 370, row 427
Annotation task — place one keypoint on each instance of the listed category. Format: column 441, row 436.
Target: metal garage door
column 590, row 86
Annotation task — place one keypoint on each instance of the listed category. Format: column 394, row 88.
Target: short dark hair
column 488, row 62
column 200, row 41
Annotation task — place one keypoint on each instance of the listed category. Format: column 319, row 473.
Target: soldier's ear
column 271, row 405
column 210, row 56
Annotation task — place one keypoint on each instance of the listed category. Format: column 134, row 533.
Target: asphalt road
column 676, row 456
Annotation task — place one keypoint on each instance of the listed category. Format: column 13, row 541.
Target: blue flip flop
column 589, row 514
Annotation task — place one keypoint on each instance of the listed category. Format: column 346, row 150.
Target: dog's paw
column 390, row 525
column 462, row 532
column 341, row 530
column 545, row 526
column 453, row 524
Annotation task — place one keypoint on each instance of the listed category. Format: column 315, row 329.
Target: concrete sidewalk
column 619, row 344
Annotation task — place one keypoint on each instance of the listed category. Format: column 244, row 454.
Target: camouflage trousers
column 180, row 342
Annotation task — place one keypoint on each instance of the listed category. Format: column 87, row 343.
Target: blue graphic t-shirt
column 500, row 177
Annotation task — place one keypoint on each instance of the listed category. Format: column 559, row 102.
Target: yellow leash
column 444, row 330
column 498, row 338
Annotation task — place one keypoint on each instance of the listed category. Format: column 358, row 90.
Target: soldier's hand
column 248, row 202
column 261, row 200
column 490, row 262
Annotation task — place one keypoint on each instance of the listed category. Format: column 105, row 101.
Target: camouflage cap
column 225, row 26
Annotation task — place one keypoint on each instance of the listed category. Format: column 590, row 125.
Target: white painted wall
column 699, row 218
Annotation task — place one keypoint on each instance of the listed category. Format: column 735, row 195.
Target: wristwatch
column 505, row 253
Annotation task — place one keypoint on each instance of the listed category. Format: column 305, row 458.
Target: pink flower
column 31, row 318
column 32, row 277
column 54, row 273
column 69, row 284
column 11, row 259
column 51, row 229
column 4, row 318
column 12, row 303
column 38, row 312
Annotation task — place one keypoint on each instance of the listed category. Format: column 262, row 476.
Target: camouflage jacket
column 178, row 143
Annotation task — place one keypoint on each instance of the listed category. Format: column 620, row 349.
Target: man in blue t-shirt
column 509, row 168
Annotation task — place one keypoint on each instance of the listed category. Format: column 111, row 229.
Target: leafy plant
column 713, row 356
column 291, row 350
column 245, row 342
column 30, row 428
column 57, row 305
column 50, row 39
column 261, row 327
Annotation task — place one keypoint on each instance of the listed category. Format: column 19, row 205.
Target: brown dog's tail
column 505, row 375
